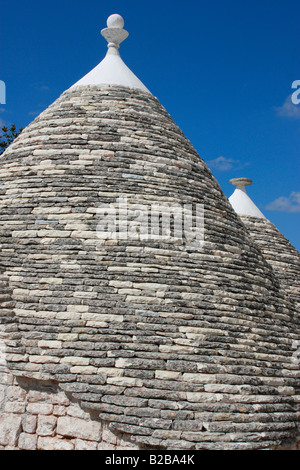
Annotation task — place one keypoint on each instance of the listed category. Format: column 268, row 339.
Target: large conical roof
column 180, row 344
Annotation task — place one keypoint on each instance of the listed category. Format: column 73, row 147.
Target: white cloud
column 225, row 164
column 40, row 86
column 286, row 204
column 289, row 109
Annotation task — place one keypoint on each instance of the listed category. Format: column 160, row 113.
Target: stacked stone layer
column 176, row 347
column 285, row 261
column 280, row 254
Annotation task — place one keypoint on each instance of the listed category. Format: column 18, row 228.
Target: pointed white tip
column 112, row 70
column 241, row 202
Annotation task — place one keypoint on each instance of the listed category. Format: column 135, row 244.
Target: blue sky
column 223, row 70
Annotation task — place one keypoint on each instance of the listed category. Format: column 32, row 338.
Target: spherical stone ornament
column 115, row 21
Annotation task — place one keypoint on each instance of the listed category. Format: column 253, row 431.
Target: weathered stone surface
column 27, row 441
column 74, row 427
column 29, row 423
column 280, row 253
column 54, row 443
column 40, row 408
column 10, row 429
column 46, row 425
column 85, row 445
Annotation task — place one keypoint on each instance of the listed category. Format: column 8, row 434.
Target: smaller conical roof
column 277, row 250
column 112, row 70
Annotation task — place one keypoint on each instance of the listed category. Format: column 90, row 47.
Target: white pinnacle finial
column 241, row 202
column 112, row 70
column 114, row 33
column 241, row 182
column 115, row 21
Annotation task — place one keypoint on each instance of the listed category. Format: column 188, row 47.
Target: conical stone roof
column 179, row 345
column 277, row 250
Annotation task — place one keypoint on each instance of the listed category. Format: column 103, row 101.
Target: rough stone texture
column 280, row 254
column 35, row 428
column 176, row 348
column 285, row 261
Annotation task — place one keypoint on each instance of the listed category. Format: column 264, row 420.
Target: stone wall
column 39, row 416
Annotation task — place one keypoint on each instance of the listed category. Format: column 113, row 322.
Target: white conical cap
column 112, row 70
column 241, row 202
